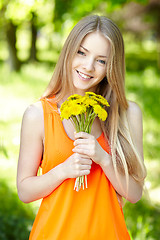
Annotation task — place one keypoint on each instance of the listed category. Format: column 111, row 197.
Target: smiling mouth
column 84, row 76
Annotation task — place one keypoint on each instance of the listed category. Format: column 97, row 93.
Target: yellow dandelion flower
column 89, row 101
column 74, row 96
column 98, row 98
column 65, row 113
column 90, row 94
column 64, row 105
column 101, row 112
column 103, row 101
column 77, row 109
column 79, row 100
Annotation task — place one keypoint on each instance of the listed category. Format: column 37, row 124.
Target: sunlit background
column 32, row 33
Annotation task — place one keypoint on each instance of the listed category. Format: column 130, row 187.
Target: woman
column 92, row 59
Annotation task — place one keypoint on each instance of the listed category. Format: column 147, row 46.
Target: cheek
column 102, row 73
column 75, row 62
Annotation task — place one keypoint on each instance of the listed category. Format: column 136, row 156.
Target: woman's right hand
column 76, row 165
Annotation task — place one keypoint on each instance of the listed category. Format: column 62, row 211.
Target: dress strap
column 49, row 106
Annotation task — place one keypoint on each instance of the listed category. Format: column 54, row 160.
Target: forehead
column 96, row 42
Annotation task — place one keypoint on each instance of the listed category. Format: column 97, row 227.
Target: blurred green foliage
column 143, row 220
column 16, row 219
column 28, row 31
column 19, row 89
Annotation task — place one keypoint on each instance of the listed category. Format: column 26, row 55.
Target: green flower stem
column 91, row 122
column 83, row 121
column 86, row 181
column 88, row 116
column 87, row 112
column 73, row 124
column 92, row 117
column 76, row 123
column 80, row 122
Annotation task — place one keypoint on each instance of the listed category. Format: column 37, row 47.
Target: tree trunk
column 14, row 62
column 158, row 53
column 33, row 49
column 61, row 7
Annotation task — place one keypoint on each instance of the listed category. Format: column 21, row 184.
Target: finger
column 85, row 161
column 80, row 155
column 81, row 141
column 84, row 172
column 85, row 167
column 82, row 135
column 82, row 166
column 87, row 147
column 82, row 151
column 84, row 156
column 80, row 172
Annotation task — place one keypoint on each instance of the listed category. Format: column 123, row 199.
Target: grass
column 18, row 90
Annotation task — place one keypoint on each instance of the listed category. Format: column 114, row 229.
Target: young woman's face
column 89, row 64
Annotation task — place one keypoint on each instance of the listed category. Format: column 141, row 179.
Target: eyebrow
column 88, row 51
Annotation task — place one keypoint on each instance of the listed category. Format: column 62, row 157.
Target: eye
column 80, row 52
column 102, row 61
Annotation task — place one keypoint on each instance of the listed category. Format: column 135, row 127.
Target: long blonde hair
column 125, row 158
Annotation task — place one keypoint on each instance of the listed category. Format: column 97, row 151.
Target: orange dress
column 90, row 214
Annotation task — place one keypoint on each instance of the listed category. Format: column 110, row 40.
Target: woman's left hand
column 87, row 144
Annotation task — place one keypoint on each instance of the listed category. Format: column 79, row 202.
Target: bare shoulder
column 134, row 115
column 33, row 118
column 34, row 112
column 133, row 107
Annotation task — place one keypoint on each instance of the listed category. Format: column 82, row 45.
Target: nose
column 89, row 65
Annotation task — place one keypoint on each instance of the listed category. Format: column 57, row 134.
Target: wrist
column 58, row 173
column 105, row 160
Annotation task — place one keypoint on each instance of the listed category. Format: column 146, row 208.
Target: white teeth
column 83, row 75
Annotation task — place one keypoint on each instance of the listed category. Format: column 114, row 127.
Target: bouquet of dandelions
column 82, row 110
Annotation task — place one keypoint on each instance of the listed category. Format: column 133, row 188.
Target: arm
column 91, row 147
column 30, row 186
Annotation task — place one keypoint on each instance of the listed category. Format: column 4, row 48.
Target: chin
column 82, row 87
